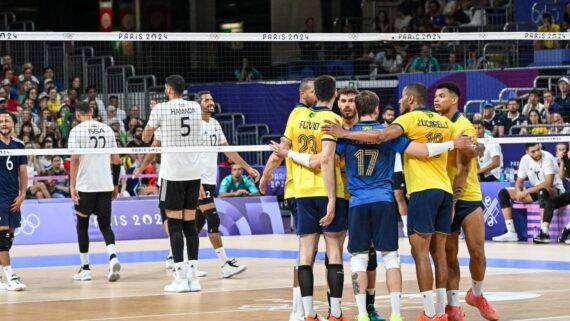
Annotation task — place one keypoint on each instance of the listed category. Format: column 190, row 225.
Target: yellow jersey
column 289, row 189
column 304, row 132
column 472, row 189
column 422, row 173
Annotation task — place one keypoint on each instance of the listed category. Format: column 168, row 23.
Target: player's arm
column 548, row 182
column 148, row 133
column 308, row 160
column 272, row 163
column 328, row 171
column 368, row 136
column 148, row 158
column 74, row 168
column 22, row 186
column 495, row 162
column 433, row 149
column 462, row 161
column 234, row 156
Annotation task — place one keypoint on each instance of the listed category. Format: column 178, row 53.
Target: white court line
column 562, row 317
column 144, row 316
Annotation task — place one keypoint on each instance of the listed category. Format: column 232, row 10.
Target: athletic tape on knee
column 504, row 198
column 391, row 260
column 372, row 260
column 359, row 262
column 213, row 220
column 4, row 241
column 543, row 197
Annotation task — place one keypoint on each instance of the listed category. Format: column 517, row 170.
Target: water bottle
column 502, row 177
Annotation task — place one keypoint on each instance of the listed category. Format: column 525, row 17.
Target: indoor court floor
column 525, row 282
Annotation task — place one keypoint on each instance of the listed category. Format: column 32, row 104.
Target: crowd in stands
column 43, row 110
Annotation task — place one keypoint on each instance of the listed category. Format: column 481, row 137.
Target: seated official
column 236, row 184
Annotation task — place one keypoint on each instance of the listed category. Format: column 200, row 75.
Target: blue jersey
column 370, row 166
column 10, row 171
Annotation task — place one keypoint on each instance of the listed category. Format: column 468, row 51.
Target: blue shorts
column 7, row 218
column 292, row 203
column 375, row 222
column 462, row 210
column 429, row 211
column 310, row 210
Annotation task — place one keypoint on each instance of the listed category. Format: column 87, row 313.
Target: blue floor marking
column 158, row 256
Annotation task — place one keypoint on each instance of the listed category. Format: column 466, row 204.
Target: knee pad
column 504, row 198
column 543, row 197
column 391, row 260
column 359, row 262
column 372, row 260
column 175, row 226
column 5, row 243
column 200, row 220
column 213, row 220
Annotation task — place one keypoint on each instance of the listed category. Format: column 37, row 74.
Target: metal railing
column 506, row 55
column 516, row 91
column 6, row 18
column 22, row 25
column 76, row 63
column 96, row 68
column 250, row 134
column 137, row 92
column 479, row 103
column 531, row 126
column 551, row 85
column 116, row 81
column 229, row 122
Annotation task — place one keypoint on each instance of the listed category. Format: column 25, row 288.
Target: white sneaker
column 169, row 263
column 230, row 268
column 201, row 274
column 15, row 284
column 3, row 285
column 83, row 275
column 193, row 281
column 114, row 268
column 296, row 317
column 507, row 237
column 180, row 282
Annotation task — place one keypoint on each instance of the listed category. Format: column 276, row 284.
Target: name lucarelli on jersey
column 309, row 125
column 432, row 123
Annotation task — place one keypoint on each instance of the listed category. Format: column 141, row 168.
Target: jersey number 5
column 308, row 142
column 185, row 126
column 361, row 155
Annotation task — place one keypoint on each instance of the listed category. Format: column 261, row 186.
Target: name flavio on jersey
column 432, row 123
column 309, row 125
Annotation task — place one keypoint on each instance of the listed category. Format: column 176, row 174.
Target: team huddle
column 440, row 171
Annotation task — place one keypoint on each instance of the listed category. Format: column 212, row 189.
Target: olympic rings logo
column 28, row 224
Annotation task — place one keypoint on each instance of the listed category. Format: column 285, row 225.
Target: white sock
column 361, row 303
column 111, row 249
column 440, row 302
column 308, row 306
column 510, row 226
column 544, row 227
column 405, row 221
column 568, row 226
column 427, row 298
column 169, row 254
column 221, row 252
column 297, row 302
column 477, row 287
column 335, row 306
column 8, row 271
column 84, row 258
column 453, row 298
column 395, row 298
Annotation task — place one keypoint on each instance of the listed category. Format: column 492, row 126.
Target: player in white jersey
column 180, row 122
column 93, row 184
column 213, row 135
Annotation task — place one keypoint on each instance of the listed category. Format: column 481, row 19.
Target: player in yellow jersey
column 320, row 196
column 307, row 98
column 429, row 187
column 467, row 199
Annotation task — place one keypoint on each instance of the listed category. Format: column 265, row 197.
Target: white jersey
column 181, row 123
column 158, row 136
column 398, row 163
column 213, row 135
column 94, row 173
column 491, row 150
column 536, row 171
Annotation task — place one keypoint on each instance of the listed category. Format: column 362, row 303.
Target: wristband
column 303, row 159
column 435, row 149
column 116, row 170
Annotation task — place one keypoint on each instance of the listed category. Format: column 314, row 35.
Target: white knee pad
column 359, row 262
column 391, row 260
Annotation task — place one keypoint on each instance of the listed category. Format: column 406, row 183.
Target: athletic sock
column 221, row 252
column 427, row 298
column 169, row 254
column 568, row 226
column 335, row 277
column 370, row 296
column 477, row 287
column 361, row 304
column 510, row 226
column 306, row 282
column 440, row 300
column 395, row 299
column 544, row 227
column 405, row 221
column 112, row 250
column 453, row 298
column 84, row 260
column 8, row 271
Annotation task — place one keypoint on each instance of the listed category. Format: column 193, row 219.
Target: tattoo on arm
column 355, row 285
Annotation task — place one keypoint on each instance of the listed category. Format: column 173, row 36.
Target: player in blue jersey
column 14, row 178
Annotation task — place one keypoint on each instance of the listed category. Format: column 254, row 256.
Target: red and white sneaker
column 454, row 313
column 485, row 309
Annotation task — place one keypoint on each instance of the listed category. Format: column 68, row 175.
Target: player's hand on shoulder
column 462, row 141
column 332, row 128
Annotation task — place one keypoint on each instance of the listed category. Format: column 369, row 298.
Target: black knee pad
column 175, row 226
column 372, row 260
column 543, row 197
column 200, row 220
column 213, row 220
column 504, row 199
column 5, row 243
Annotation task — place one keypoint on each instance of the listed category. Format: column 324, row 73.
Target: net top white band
column 278, row 37
column 241, row 148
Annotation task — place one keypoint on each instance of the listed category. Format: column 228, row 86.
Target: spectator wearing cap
column 563, row 98
column 491, row 119
column 48, row 73
column 547, row 26
column 513, row 118
column 534, row 104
